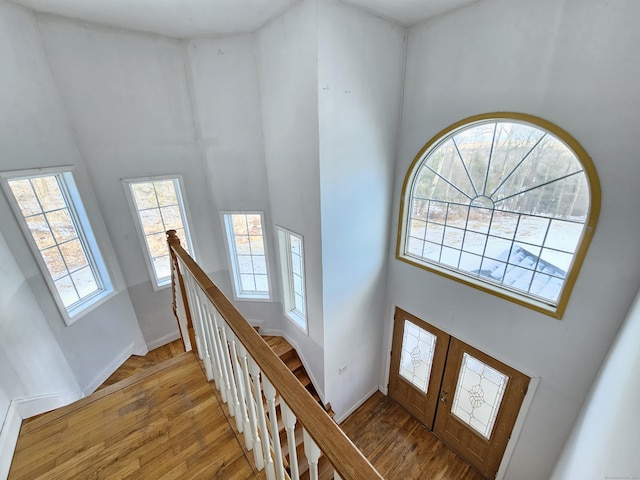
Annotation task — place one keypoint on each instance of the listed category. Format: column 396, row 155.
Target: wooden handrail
column 345, row 457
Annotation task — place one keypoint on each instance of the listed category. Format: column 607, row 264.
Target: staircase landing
column 161, row 423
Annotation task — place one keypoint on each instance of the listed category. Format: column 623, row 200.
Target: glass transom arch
column 504, row 202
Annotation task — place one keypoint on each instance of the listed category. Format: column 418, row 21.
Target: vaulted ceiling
column 197, row 18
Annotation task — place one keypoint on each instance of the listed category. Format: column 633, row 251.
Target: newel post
column 173, row 240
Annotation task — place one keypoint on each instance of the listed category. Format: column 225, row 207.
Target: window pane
column 248, row 283
column 84, row 281
column 162, row 267
column 54, row 262
column 151, row 221
column 245, row 264
column 40, row 231
column 478, row 395
column 259, row 264
column 166, row 192
column 505, row 191
column 248, row 260
column 25, row 196
column 257, row 247
column 171, row 217
column 416, row 358
column 262, row 283
column 67, row 291
column 240, row 224
column 54, row 216
column 73, row 255
column 61, row 225
column 48, row 193
column 159, row 208
column 254, row 223
column 144, row 195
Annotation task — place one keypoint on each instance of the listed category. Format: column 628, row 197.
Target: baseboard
column 9, row 438
column 108, row 370
column 158, row 342
column 366, row 397
column 30, row 406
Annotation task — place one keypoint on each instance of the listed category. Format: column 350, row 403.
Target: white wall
column 129, row 103
column 288, row 78
column 360, row 74
column 572, row 62
column 31, row 361
column 226, row 102
column 604, row 442
column 35, row 132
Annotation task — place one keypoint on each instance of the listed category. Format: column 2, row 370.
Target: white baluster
column 290, row 420
column 246, row 426
column 255, row 436
column 233, row 390
column 270, row 395
column 262, row 422
column 214, row 339
column 336, row 476
column 312, row 452
column 223, row 352
column 198, row 327
column 205, row 340
column 197, row 331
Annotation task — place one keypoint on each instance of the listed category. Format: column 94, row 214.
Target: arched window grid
column 479, row 190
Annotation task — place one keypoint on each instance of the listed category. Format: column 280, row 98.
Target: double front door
column 467, row 398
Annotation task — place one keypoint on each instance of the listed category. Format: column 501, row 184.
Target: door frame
column 526, row 403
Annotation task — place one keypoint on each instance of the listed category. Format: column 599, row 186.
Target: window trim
column 232, row 258
column 299, row 319
column 184, row 210
column 86, row 236
column 589, row 225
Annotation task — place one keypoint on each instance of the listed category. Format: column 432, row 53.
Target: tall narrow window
column 292, row 266
column 504, row 202
column 245, row 239
column 158, row 206
column 50, row 212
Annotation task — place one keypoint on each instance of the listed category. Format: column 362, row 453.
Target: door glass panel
column 478, row 395
column 418, row 347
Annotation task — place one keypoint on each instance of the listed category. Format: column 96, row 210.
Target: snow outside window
column 504, row 202
column 157, row 205
column 292, row 267
column 49, row 209
column 248, row 257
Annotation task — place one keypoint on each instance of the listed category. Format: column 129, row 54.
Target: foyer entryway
column 467, row 398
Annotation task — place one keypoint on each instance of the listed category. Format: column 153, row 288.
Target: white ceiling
column 194, row 18
column 409, row 12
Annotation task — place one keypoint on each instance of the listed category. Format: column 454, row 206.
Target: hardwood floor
column 167, row 424
column 157, row 417
column 399, row 447
column 136, row 364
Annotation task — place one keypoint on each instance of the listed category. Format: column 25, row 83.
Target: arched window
column 504, row 202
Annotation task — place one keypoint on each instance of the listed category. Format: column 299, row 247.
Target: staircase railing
column 248, row 374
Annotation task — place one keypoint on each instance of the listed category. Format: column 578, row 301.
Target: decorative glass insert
column 416, row 358
column 292, row 266
column 478, row 395
column 159, row 207
column 499, row 201
column 49, row 208
column 248, row 256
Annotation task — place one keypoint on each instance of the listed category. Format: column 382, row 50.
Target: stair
column 290, row 358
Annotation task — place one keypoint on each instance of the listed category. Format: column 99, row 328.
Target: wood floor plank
column 167, row 425
column 399, row 447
